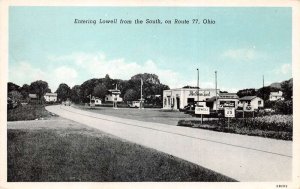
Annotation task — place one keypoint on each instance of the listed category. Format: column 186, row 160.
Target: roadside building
column 33, row 98
column 50, row 97
column 98, row 101
column 180, row 97
column 224, row 100
column 113, row 96
column 276, row 96
column 250, row 103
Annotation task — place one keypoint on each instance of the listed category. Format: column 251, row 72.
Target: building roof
column 248, row 98
column 212, row 99
column 51, row 94
column 32, row 96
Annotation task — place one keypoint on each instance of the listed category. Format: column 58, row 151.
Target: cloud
column 96, row 65
column 75, row 68
column 243, row 54
column 284, row 69
column 66, row 75
column 24, row 72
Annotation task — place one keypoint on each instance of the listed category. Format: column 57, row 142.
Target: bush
column 284, row 107
column 274, row 126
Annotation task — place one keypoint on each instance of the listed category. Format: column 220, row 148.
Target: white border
column 4, row 4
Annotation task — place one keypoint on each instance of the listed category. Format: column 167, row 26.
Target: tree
column 25, row 89
column 100, row 91
column 147, row 77
column 39, row 87
column 287, row 89
column 12, row 87
column 63, row 92
column 16, row 96
column 264, row 92
column 87, row 88
column 284, row 107
column 189, row 87
column 108, row 82
column 75, row 94
column 246, row 92
column 131, row 95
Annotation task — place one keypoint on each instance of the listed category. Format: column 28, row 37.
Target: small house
column 251, row 103
column 33, row 98
column 50, row 97
column 274, row 96
column 224, row 100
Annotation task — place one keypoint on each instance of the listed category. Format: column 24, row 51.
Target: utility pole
column 263, row 89
column 141, row 94
column 197, row 86
column 216, row 91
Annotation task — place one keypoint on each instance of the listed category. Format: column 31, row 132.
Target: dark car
column 190, row 108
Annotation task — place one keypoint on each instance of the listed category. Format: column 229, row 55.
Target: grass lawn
column 62, row 150
column 28, row 112
column 149, row 115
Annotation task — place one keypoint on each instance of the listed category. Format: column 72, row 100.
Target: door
column 178, row 102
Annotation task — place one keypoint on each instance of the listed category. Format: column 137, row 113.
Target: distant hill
column 278, row 85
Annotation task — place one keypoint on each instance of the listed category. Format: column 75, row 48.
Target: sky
column 242, row 45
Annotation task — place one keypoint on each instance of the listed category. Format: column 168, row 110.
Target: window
column 259, row 102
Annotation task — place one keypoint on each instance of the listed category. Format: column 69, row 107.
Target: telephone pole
column 216, row 78
column 263, row 89
column 197, row 86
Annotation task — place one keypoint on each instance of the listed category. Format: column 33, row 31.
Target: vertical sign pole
column 243, row 110
column 228, row 122
column 201, row 119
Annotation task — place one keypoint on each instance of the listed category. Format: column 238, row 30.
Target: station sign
column 227, row 104
column 202, row 110
column 229, row 112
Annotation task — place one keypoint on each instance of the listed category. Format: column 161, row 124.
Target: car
column 68, row 103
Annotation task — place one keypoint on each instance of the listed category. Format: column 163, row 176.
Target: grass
column 148, row 115
column 28, row 112
column 62, row 150
column 274, row 126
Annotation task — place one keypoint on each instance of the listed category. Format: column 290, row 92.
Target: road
column 244, row 158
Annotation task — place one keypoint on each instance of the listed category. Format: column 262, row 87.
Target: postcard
column 149, row 94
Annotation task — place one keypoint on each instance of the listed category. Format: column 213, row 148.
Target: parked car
column 134, row 104
column 66, row 103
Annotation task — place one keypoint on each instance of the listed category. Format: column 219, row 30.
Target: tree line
column 130, row 89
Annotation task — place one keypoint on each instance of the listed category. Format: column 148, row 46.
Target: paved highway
column 244, row 158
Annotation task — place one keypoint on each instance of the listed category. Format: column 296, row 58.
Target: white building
column 113, row 96
column 251, row 103
column 224, row 100
column 50, row 97
column 179, row 98
column 276, row 96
